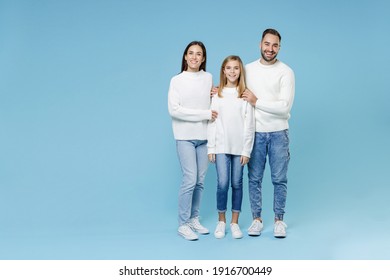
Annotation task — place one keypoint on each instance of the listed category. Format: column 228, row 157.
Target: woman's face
column 194, row 58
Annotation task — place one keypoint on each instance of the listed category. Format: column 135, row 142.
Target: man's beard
column 266, row 58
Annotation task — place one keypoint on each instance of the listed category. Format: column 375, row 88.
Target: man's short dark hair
column 273, row 32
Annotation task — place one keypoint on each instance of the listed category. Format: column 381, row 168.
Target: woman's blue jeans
column 229, row 169
column 194, row 161
column 276, row 146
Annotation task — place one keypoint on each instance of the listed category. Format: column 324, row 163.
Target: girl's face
column 232, row 72
column 194, row 58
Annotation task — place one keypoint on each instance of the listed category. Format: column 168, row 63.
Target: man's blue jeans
column 276, row 146
column 229, row 167
column 193, row 161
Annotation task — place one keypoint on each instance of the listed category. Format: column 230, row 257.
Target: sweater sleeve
column 282, row 106
column 212, row 130
column 177, row 111
column 249, row 129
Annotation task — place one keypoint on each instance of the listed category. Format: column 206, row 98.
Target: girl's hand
column 212, row 158
column 244, row 160
column 214, row 91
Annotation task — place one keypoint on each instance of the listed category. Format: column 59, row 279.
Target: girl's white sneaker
column 220, row 230
column 236, row 231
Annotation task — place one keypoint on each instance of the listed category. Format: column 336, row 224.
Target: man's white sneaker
column 187, row 233
column 236, row 231
column 280, row 229
column 220, row 230
column 197, row 227
column 255, row 228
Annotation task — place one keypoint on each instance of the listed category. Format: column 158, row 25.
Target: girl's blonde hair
column 240, row 81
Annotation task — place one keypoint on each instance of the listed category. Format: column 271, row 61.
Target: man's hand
column 250, row 97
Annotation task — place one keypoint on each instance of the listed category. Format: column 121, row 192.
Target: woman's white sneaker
column 187, row 232
column 220, row 230
column 197, row 227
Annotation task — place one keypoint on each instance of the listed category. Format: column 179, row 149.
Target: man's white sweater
column 274, row 86
column 189, row 104
column 233, row 131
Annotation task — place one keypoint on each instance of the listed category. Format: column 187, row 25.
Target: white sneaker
column 280, row 229
column 187, row 233
column 255, row 228
column 236, row 231
column 220, row 230
column 197, row 227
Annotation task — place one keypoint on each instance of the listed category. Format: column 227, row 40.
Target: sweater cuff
column 246, row 154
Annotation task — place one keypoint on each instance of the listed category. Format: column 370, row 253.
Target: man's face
column 269, row 48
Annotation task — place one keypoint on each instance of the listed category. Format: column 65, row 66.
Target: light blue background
column 88, row 166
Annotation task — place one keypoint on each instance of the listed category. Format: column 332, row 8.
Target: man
column 271, row 88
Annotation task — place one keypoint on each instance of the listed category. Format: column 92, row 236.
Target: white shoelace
column 255, row 226
column 220, row 227
column 280, row 226
column 196, row 223
column 235, row 227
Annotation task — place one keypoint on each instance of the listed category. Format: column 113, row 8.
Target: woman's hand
column 214, row 115
column 214, row 91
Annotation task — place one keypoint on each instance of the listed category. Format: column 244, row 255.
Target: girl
column 189, row 107
column 230, row 141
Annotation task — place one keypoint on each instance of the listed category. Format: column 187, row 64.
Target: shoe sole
column 189, row 239
column 280, row 236
column 202, row 232
column 254, row 233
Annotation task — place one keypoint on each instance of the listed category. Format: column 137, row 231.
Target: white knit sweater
column 189, row 104
column 233, row 131
column 274, row 86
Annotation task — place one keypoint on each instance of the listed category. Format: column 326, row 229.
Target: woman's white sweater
column 189, row 104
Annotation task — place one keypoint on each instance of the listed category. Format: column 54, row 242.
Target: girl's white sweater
column 233, row 131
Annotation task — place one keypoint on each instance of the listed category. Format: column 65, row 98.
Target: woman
column 189, row 107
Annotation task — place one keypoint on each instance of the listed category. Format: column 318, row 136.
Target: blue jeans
column 194, row 161
column 229, row 166
column 276, row 146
